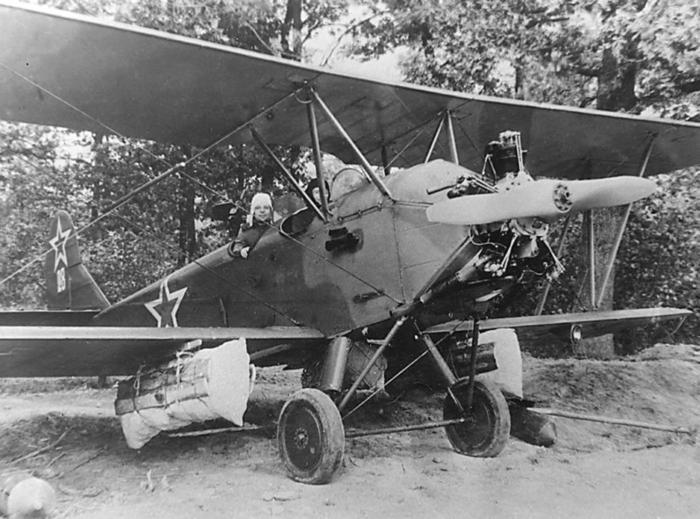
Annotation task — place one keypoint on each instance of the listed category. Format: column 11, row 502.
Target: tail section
column 69, row 285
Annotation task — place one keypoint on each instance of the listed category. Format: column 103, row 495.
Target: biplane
column 405, row 256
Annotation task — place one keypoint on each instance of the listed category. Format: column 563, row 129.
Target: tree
column 36, row 175
column 611, row 54
column 629, row 55
column 170, row 224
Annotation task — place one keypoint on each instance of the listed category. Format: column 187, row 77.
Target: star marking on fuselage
column 58, row 244
column 165, row 307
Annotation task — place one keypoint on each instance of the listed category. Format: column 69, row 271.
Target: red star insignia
column 58, row 244
column 165, row 307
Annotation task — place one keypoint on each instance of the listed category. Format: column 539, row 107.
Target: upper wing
column 558, row 326
column 61, row 351
column 82, row 73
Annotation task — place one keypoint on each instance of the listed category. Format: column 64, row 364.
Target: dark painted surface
column 147, row 84
column 69, row 285
column 42, row 351
column 294, row 280
column 558, row 326
column 46, row 318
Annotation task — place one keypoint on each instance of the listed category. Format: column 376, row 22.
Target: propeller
column 545, row 199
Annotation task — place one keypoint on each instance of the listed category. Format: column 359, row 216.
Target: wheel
column 485, row 433
column 311, row 437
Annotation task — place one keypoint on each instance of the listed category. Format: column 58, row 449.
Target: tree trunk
column 291, row 31
column 617, row 78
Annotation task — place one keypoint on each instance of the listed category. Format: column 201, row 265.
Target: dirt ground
column 594, row 470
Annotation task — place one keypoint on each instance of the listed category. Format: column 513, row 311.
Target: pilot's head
column 313, row 190
column 261, row 207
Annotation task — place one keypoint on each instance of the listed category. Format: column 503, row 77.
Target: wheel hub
column 301, row 438
column 311, row 437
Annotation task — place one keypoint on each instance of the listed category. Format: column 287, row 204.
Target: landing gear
column 311, row 437
column 310, row 432
column 484, row 433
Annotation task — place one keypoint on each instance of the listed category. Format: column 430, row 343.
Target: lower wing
column 56, row 351
column 559, row 326
column 62, row 351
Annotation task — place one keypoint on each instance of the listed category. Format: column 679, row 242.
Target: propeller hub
column 562, row 198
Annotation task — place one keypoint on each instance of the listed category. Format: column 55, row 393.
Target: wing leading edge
column 68, row 70
column 55, row 351
column 63, row 351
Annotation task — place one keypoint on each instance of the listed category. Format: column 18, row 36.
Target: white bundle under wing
column 509, row 375
column 194, row 387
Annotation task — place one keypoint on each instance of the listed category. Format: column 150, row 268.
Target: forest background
column 633, row 56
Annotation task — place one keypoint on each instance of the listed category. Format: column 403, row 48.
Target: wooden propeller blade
column 541, row 198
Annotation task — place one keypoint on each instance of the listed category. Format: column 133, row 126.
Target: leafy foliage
column 169, row 224
column 613, row 54
column 36, row 175
column 660, row 254
column 636, row 55
column 639, row 56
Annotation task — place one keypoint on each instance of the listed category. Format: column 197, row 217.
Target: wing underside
column 82, row 73
column 558, row 326
column 62, row 351
column 54, row 351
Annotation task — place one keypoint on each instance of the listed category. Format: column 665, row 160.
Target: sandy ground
column 593, row 471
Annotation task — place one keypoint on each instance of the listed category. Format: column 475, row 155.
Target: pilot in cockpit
column 313, row 190
column 259, row 221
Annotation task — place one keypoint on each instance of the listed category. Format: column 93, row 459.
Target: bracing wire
column 169, row 246
column 126, row 198
column 172, row 169
column 405, row 368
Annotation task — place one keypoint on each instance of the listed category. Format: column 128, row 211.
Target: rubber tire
column 489, row 435
column 310, row 417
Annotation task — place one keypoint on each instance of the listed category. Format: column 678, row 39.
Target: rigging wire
column 166, row 245
column 172, row 169
column 406, row 367
column 479, row 152
column 271, row 225
column 409, row 143
column 301, row 244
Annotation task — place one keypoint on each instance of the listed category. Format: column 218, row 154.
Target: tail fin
column 69, row 285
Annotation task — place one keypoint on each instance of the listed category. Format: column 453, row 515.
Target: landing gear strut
column 486, row 426
column 311, row 435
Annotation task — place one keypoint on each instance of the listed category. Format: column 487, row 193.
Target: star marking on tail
column 58, row 244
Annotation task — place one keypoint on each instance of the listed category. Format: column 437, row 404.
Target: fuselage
column 373, row 258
